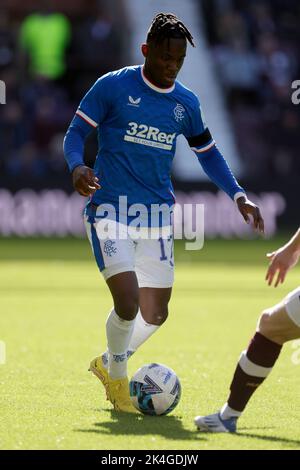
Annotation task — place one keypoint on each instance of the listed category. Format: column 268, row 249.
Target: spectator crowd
column 49, row 57
column 255, row 46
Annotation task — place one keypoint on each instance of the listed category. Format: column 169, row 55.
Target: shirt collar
column 154, row 87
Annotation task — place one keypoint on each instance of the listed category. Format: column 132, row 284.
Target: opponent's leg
column 276, row 326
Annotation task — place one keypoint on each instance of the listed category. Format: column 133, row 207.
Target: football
column 155, row 389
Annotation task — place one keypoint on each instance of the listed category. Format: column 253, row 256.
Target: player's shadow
column 279, row 439
column 124, row 424
column 170, row 427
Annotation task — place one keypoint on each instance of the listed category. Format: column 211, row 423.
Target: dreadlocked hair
column 167, row 25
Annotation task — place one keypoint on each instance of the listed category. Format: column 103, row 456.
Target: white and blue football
column 155, row 389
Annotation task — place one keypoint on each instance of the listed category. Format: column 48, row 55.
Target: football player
column 138, row 112
column 276, row 326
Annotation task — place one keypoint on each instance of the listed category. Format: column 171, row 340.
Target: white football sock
column 141, row 332
column 227, row 412
column 118, row 333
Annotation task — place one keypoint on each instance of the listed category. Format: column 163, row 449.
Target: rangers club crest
column 109, row 248
column 179, row 112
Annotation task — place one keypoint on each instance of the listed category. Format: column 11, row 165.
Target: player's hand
column 282, row 260
column 247, row 208
column 84, row 180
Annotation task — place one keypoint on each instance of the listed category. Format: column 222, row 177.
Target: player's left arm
column 218, row 170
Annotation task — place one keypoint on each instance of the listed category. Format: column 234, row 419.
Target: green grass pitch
column 53, row 308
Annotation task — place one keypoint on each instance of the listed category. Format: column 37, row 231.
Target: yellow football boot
column 119, row 395
column 98, row 369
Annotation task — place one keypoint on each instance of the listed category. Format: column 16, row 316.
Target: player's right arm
column 283, row 259
column 90, row 113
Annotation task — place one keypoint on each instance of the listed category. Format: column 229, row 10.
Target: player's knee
column 127, row 308
column 159, row 316
column 270, row 328
column 264, row 323
column 155, row 316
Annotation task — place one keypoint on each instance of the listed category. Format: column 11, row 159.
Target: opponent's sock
column 118, row 332
column 141, row 332
column 254, row 366
column 227, row 412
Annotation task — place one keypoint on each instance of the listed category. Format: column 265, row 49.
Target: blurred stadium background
column 246, row 59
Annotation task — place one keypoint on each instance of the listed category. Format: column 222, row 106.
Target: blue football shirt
column 137, row 125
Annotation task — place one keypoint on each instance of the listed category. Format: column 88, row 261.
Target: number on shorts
column 163, row 256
